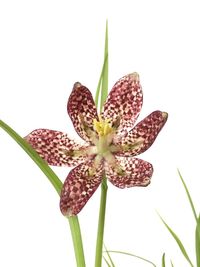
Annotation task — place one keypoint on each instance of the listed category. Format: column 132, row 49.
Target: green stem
column 77, row 241
column 100, row 231
column 102, row 210
column 57, row 184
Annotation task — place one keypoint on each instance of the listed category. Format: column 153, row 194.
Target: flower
column 111, row 142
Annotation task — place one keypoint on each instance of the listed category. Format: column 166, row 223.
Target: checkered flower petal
column 142, row 136
column 124, row 103
column 130, row 172
column 79, row 186
column 55, row 147
column 82, row 110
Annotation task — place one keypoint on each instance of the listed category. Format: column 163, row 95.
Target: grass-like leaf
column 100, row 82
column 189, row 196
column 178, row 241
column 104, row 86
column 53, row 178
column 57, row 184
column 132, row 255
column 163, row 260
column 108, row 254
column 107, row 262
column 197, row 241
column 172, row 265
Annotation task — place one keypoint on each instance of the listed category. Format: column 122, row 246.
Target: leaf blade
column 132, row 255
column 197, row 242
column 53, row 178
column 178, row 241
column 104, row 87
column 163, row 260
column 108, row 254
column 108, row 264
column 189, row 196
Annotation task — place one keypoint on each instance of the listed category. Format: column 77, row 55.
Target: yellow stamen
column 102, row 127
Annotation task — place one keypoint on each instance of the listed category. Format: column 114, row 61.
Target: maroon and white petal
column 56, row 147
column 124, row 102
column 82, row 110
column 142, row 136
column 129, row 172
column 79, row 186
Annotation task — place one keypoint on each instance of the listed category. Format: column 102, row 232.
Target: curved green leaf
column 104, row 87
column 163, row 260
column 108, row 264
column 57, row 184
column 108, row 254
column 50, row 174
column 178, row 241
column 197, row 241
column 132, row 255
column 189, row 196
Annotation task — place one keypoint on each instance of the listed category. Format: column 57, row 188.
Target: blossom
column 111, row 142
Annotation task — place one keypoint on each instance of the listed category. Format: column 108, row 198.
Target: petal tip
column 165, row 115
column 77, row 85
column 135, row 76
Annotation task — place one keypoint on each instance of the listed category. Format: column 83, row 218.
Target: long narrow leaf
column 197, row 239
column 108, row 264
column 163, row 260
column 178, row 241
column 189, row 196
column 108, row 254
column 172, row 265
column 53, row 178
column 132, row 255
column 104, row 86
column 55, row 181
column 100, row 81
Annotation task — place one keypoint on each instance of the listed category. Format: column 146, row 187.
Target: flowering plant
column 111, row 142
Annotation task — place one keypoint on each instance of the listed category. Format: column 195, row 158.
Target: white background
column 46, row 46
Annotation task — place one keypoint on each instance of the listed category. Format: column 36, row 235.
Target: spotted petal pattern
column 124, row 102
column 79, row 187
column 82, row 110
column 130, row 172
column 55, row 147
column 143, row 134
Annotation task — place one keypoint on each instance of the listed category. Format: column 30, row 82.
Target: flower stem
column 57, row 184
column 77, row 241
column 102, row 210
column 100, row 232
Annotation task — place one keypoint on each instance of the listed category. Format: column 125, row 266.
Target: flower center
column 102, row 127
column 105, row 132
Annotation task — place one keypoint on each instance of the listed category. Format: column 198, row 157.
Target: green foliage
column 50, row 174
column 57, row 184
column 178, row 241
column 197, row 230
column 197, row 241
column 163, row 260
column 109, row 257
column 104, row 87
column 107, row 262
column 189, row 196
column 132, row 255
